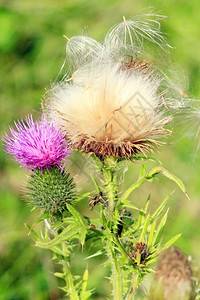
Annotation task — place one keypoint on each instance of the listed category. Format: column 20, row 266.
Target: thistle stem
column 110, row 188
column 68, row 277
column 121, row 248
column 134, row 285
column 116, row 275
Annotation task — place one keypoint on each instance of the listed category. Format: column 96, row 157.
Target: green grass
column 32, row 51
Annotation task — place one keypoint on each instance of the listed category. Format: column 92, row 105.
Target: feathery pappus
column 113, row 102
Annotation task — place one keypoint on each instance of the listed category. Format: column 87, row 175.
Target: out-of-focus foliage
column 32, row 51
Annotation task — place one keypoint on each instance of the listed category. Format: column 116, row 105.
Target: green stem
column 108, row 169
column 68, row 277
column 121, row 248
column 134, row 285
column 116, row 276
column 110, row 187
column 70, row 282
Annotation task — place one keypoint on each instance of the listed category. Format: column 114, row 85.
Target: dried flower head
column 37, row 144
column 112, row 105
column 139, row 248
column 173, row 276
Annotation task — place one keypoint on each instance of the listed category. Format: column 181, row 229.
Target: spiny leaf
column 96, row 185
column 66, row 235
column 151, row 261
column 84, row 294
column 170, row 242
column 151, row 234
column 32, row 232
column 127, row 204
column 132, row 188
column 70, row 288
column 144, row 230
column 149, row 176
column 146, row 158
column 44, row 216
column 169, row 175
column 160, row 229
column 77, row 216
column 82, row 236
column 161, row 208
column 147, row 204
column 81, row 197
column 57, row 250
column 142, row 171
column 60, row 275
column 141, row 215
column 95, row 254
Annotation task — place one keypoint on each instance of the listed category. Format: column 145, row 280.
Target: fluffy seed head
column 113, row 111
column 37, row 144
column 113, row 103
column 172, row 277
column 130, row 34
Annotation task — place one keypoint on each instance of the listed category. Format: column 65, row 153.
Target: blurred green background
column 32, row 51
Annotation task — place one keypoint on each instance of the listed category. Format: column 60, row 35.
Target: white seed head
column 114, row 103
column 81, row 50
column 111, row 104
column 130, row 34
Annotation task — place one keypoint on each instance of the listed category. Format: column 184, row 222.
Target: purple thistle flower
column 37, row 144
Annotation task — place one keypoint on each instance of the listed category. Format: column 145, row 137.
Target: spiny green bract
column 51, row 190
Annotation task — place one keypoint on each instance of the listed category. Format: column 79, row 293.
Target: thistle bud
column 51, row 190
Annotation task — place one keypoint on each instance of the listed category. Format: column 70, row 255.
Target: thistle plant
column 112, row 106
